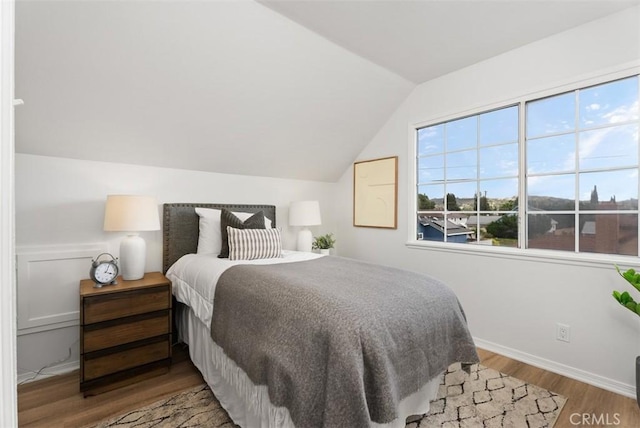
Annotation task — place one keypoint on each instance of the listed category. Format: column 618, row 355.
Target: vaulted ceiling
column 292, row 89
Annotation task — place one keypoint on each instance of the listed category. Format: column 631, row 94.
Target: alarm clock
column 104, row 272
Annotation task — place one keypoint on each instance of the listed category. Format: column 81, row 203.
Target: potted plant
column 628, row 302
column 323, row 243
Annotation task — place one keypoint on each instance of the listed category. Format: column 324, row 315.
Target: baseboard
column 561, row 369
column 49, row 372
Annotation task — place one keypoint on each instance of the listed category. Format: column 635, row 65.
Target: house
column 272, row 102
column 433, row 229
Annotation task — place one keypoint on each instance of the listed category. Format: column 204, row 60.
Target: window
column 582, row 170
column 580, row 174
column 468, row 179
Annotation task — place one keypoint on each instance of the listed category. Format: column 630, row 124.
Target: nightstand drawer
column 108, row 363
column 118, row 332
column 126, row 303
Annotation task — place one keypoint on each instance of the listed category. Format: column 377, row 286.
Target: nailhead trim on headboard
column 181, row 227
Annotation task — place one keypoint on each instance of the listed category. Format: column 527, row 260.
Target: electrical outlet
column 563, row 332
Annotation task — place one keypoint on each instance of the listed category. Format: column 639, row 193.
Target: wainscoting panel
column 47, row 284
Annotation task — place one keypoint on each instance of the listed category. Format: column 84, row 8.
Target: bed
column 365, row 347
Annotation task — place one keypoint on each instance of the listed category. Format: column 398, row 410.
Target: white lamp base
column 304, row 240
column 133, row 254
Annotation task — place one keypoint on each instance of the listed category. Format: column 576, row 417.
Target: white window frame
column 521, row 253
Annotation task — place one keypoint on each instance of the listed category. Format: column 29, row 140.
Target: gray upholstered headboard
column 181, row 227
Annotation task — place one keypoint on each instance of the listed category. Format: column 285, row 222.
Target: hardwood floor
column 587, row 406
column 57, row 401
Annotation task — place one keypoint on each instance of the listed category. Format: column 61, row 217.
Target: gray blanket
column 338, row 342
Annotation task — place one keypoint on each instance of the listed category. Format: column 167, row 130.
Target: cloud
column 594, row 138
column 624, row 113
column 427, row 132
column 590, row 144
column 592, row 107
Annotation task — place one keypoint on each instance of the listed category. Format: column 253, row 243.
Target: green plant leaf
column 616, row 295
column 631, row 276
column 323, row 242
column 625, row 298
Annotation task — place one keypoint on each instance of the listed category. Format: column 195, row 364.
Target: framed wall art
column 375, row 193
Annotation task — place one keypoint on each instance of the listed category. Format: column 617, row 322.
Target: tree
column 594, row 197
column 424, row 203
column 484, row 203
column 505, row 227
column 509, row 205
column 452, row 202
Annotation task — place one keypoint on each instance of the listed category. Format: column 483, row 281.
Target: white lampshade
column 131, row 213
column 304, row 213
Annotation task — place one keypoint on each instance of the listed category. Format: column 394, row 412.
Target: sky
column 569, row 137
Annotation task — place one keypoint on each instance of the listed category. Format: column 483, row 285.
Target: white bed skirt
column 248, row 404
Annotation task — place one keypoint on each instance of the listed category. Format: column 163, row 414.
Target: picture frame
column 375, row 193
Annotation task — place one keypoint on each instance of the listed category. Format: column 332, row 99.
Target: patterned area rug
column 483, row 398
column 488, row 398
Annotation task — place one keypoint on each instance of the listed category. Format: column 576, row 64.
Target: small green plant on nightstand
column 625, row 298
column 323, row 242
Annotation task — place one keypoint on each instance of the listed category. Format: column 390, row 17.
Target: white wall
column 60, row 209
column 513, row 304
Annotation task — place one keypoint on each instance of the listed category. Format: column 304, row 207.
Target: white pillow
column 209, row 237
column 252, row 244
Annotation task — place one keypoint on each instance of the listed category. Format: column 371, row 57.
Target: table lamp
column 133, row 214
column 304, row 213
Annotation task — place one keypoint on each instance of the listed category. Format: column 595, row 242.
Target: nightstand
column 125, row 332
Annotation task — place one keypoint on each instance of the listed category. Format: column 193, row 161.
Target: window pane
column 615, row 190
column 464, row 194
column 431, row 197
column 501, row 229
column 499, row 126
column 552, row 192
column 462, row 165
column 499, row 161
column 497, row 193
column 457, row 230
column 430, row 227
column 551, row 231
column 609, row 147
column 551, row 115
column 613, row 102
column 430, row 168
column 609, row 233
column 462, row 134
column 551, row 154
column 431, row 140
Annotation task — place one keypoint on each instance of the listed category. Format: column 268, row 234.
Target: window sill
column 548, row 256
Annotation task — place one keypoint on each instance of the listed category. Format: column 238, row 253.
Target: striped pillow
column 251, row 244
